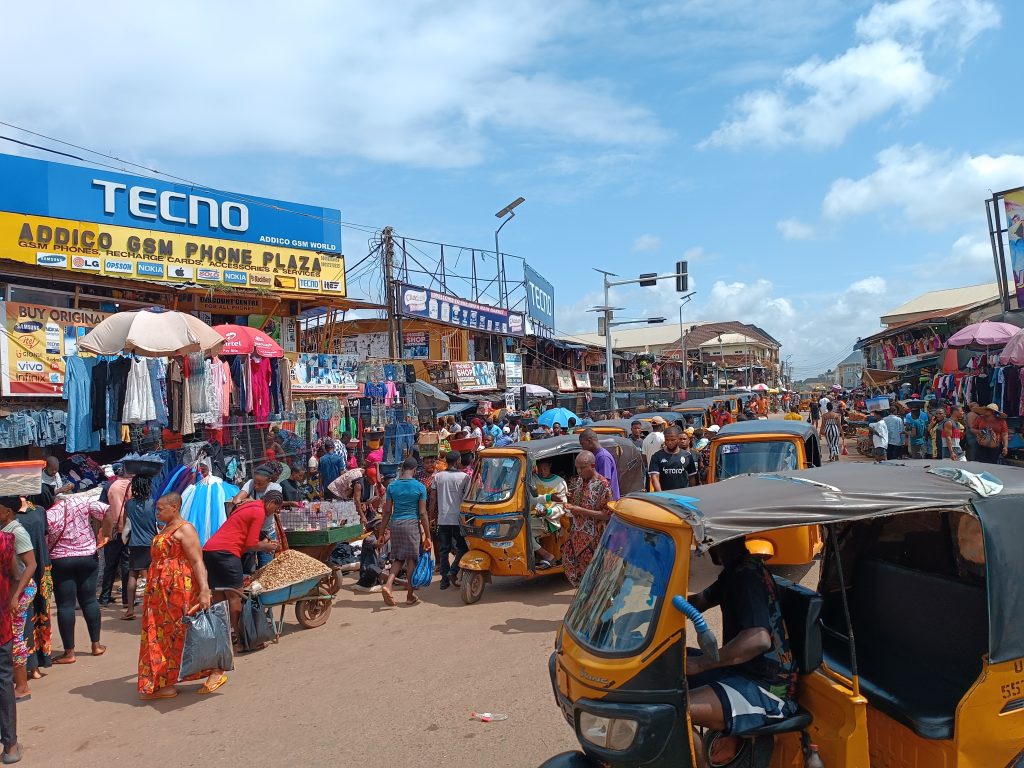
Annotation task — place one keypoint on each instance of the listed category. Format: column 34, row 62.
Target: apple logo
column 179, row 272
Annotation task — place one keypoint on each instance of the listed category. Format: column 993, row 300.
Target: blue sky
column 817, row 161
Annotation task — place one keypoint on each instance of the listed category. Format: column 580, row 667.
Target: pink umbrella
column 243, row 340
column 1013, row 353
column 987, row 333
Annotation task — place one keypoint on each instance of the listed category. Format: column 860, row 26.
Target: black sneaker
column 445, row 583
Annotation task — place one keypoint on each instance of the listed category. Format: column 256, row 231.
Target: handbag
column 255, row 625
column 424, row 572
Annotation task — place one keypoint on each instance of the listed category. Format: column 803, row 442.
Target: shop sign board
column 415, row 345
column 513, row 370
column 1014, row 204
column 325, row 373
column 582, row 379
column 565, row 382
column 86, row 220
column 35, row 340
column 540, row 298
column 450, row 310
column 474, row 377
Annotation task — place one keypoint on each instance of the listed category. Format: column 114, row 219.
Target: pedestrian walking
column 916, row 432
column 445, row 500
column 831, row 429
column 589, row 495
column 23, row 593
column 405, row 516
column 879, row 437
column 38, row 626
column 992, row 434
column 894, row 429
column 604, row 461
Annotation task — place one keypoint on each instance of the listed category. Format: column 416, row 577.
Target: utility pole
column 388, row 250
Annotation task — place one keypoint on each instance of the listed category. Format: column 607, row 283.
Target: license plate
column 501, row 544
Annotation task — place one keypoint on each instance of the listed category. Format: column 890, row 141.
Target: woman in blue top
column 405, row 509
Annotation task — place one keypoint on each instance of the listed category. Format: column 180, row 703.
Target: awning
column 454, row 409
column 873, row 377
column 429, row 397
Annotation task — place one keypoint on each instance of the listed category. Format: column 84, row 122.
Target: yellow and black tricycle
column 909, row 653
column 496, row 513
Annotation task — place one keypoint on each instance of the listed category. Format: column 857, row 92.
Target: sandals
column 543, row 565
column 388, row 597
column 414, row 601
column 207, row 688
column 158, row 696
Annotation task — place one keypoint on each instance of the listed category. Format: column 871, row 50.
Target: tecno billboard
column 77, row 219
column 540, row 298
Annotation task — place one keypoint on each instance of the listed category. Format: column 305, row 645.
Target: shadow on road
column 125, row 690
column 527, row 627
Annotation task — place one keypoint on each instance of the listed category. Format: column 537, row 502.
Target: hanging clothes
column 178, row 400
column 286, row 385
column 97, row 394
column 138, row 402
column 80, row 435
column 259, row 372
column 197, row 383
column 157, row 384
column 117, row 388
column 236, row 366
column 275, row 385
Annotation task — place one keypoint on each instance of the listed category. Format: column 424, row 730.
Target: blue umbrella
column 560, row 415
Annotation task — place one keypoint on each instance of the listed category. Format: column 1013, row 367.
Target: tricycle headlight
column 607, row 732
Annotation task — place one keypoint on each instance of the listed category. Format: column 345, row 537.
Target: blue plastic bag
column 207, row 642
column 424, row 572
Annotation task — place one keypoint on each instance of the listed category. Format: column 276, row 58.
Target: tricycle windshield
column 495, row 479
column 616, row 607
column 742, row 458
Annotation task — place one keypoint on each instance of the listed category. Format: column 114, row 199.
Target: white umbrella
column 760, row 387
column 535, row 390
column 152, row 333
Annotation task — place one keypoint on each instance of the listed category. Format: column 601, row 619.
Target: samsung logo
column 51, row 259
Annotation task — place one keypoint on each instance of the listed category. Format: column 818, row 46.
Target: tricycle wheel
column 471, row 586
column 313, row 613
column 754, row 752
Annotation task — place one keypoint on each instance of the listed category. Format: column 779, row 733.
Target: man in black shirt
column 671, row 467
column 754, row 681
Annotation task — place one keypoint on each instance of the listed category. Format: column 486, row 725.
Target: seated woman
column 550, row 492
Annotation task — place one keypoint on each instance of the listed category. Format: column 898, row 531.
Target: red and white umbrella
column 243, row 340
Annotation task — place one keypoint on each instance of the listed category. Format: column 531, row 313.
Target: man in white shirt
column 654, row 441
column 823, row 404
column 51, row 477
column 894, row 425
column 879, row 437
column 447, row 490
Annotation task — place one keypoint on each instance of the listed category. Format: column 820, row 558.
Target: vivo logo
column 27, row 367
column 175, row 207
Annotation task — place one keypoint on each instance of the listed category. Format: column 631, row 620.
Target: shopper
column 176, row 583
column 831, row 429
column 894, row 428
column 115, row 551
column 140, row 510
column 330, row 467
column 605, row 462
column 405, row 516
column 992, row 434
column 915, row 434
column 38, row 627
column 879, row 437
column 72, row 546
column 8, row 706
column 653, row 442
column 261, row 484
column 22, row 593
column 445, row 500
column 672, row 467
column 589, row 495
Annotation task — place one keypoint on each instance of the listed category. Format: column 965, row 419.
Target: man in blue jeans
column 916, row 433
column 447, row 491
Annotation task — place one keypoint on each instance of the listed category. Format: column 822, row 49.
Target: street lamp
column 510, row 211
column 682, row 344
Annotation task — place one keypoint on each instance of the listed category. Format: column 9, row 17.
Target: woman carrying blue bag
column 405, row 516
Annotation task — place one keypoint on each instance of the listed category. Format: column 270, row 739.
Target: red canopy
column 243, row 340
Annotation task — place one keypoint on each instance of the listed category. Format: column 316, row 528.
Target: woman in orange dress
column 175, row 585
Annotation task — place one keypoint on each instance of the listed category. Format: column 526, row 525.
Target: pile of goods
column 319, row 515
column 290, row 567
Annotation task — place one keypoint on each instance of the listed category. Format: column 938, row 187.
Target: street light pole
column 682, row 341
column 499, row 260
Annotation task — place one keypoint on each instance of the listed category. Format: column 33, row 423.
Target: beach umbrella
column 987, row 333
column 760, row 387
column 536, row 390
column 243, row 340
column 557, row 415
column 1013, row 353
column 152, row 332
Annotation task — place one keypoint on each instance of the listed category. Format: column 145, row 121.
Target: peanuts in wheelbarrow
column 290, row 567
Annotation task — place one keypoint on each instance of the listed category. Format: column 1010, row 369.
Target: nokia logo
column 175, row 207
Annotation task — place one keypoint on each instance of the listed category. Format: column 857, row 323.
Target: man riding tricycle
column 910, row 652
column 508, row 517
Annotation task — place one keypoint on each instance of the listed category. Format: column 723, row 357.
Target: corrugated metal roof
column 948, row 299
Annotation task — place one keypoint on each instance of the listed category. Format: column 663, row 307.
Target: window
column 733, row 459
column 494, row 480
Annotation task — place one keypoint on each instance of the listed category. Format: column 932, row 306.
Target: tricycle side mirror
column 705, row 637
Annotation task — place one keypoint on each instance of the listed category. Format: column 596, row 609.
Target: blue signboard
column 540, row 298
column 451, row 310
column 60, row 191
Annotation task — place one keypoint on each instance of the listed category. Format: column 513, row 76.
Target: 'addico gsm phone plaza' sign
column 83, row 220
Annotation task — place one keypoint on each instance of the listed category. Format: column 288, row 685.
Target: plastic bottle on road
column 488, row 717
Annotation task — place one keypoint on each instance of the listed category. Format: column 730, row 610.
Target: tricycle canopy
column 846, row 492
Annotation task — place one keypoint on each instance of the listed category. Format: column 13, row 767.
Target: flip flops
column 388, row 597
column 158, row 696
column 207, row 688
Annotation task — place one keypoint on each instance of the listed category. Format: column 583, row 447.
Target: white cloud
column 927, row 188
column 646, row 243
column 425, row 83
column 871, row 285
column 794, row 229
column 818, row 103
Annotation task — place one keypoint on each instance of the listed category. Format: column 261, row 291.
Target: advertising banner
column 540, row 298
column 451, row 310
column 513, row 370
column 1014, row 203
column 582, row 379
column 415, row 345
column 85, row 220
column 565, row 383
column 474, row 377
column 35, row 341
column 325, row 373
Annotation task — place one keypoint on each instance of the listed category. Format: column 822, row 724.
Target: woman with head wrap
column 202, row 504
column 262, row 483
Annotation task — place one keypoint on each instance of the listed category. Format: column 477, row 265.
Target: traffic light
column 648, row 279
column 682, row 277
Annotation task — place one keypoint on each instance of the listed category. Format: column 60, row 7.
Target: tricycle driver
column 754, row 681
